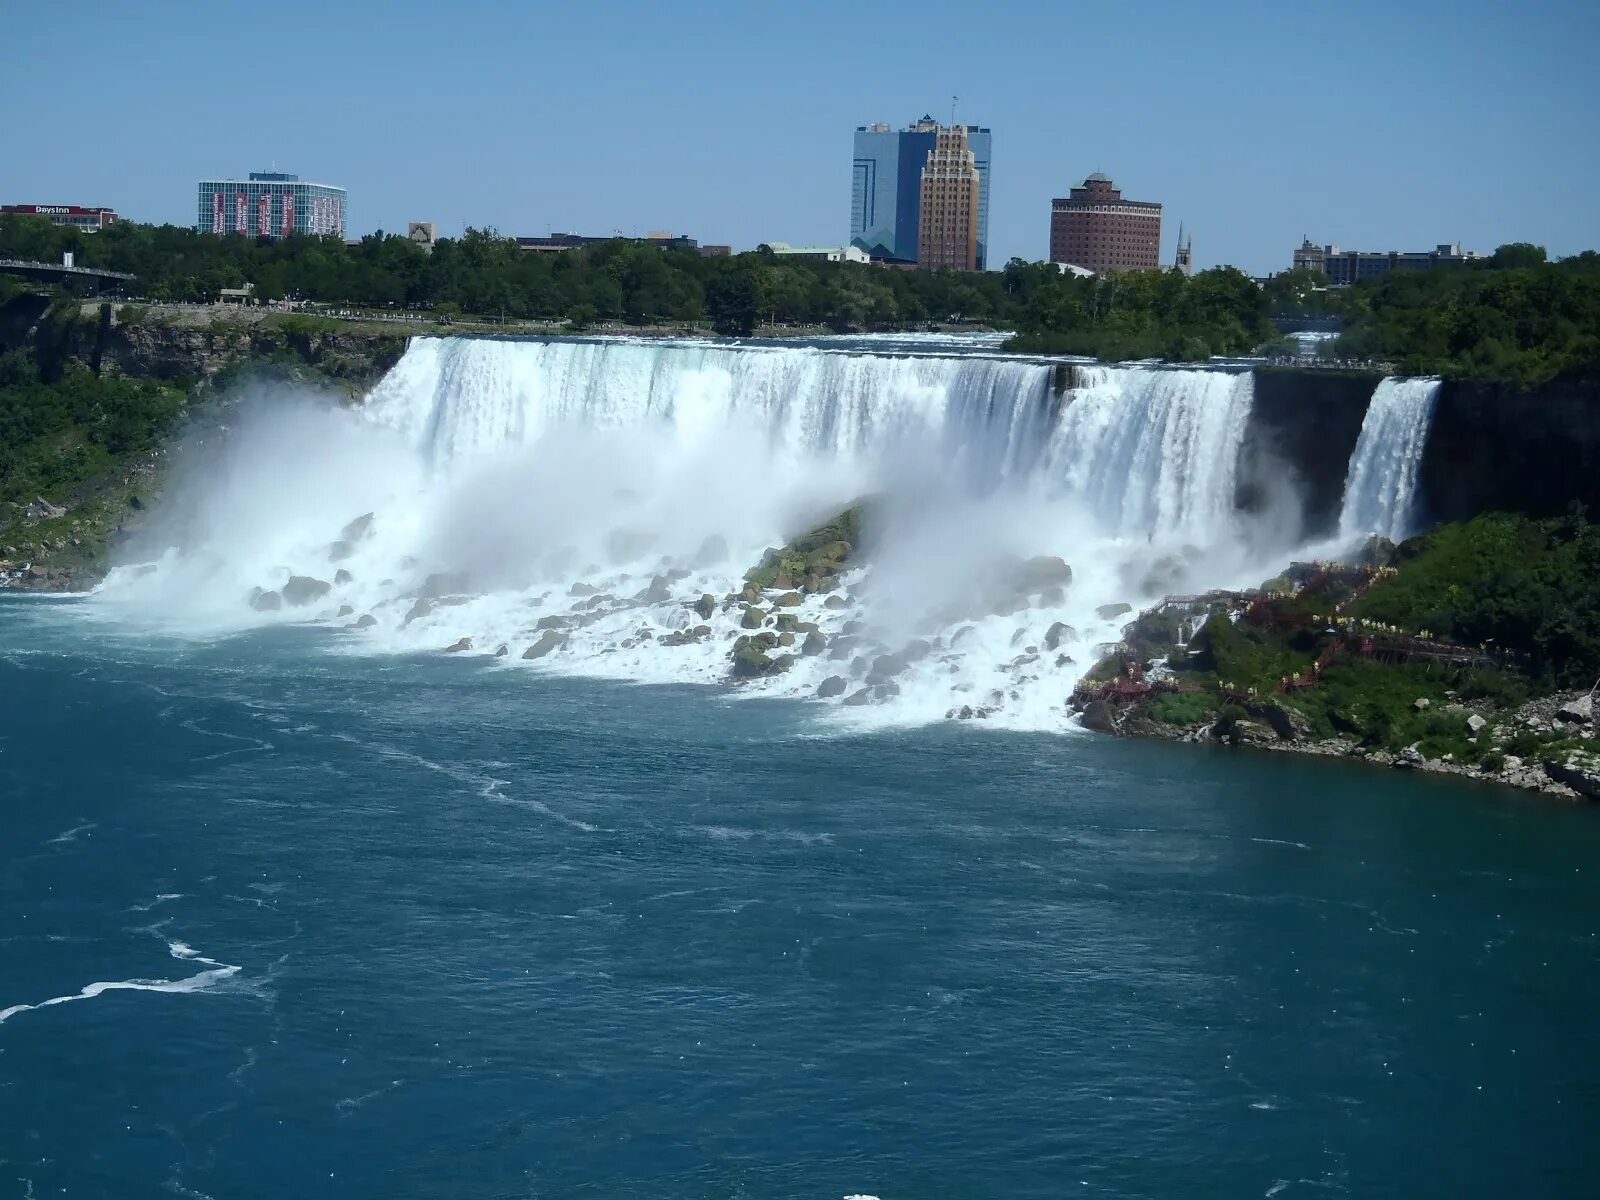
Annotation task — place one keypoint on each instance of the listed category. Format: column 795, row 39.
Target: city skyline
column 1276, row 128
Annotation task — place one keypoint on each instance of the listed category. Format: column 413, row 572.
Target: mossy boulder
column 750, row 661
column 684, row 637
column 788, row 600
column 753, row 617
column 815, row 555
column 705, row 606
column 814, row 644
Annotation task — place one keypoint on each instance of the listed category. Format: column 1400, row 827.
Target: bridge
column 101, row 280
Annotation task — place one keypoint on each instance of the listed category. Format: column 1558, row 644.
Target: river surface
column 279, row 920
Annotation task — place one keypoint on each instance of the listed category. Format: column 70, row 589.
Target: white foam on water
column 219, row 973
column 510, row 480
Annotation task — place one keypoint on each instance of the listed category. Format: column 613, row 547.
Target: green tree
column 733, row 302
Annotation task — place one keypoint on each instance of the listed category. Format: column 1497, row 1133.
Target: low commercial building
column 816, row 253
column 556, row 243
column 1344, row 267
column 270, row 204
column 89, row 220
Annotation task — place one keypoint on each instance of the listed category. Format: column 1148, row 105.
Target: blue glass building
column 270, row 204
column 886, row 187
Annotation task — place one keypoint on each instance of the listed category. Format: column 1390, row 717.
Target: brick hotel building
column 1095, row 228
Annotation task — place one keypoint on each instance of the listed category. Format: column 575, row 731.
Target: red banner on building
column 239, row 206
column 264, row 215
column 286, row 203
column 216, row 211
column 338, row 215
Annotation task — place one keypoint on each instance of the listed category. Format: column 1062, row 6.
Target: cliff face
column 1496, row 447
column 191, row 345
column 1492, row 447
column 1303, row 424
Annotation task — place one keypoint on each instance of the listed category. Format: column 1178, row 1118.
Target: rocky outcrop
column 161, row 347
column 1580, row 771
column 549, row 642
column 811, row 562
column 302, row 590
column 1577, row 711
column 833, row 685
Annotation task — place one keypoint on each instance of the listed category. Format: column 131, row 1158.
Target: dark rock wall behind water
column 1303, row 425
column 1497, row 447
column 1491, row 447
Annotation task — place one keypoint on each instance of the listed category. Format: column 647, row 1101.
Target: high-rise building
column 1095, row 228
column 886, row 187
column 947, row 225
column 89, row 220
column 270, row 204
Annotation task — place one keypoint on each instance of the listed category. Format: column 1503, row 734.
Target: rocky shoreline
column 1271, row 728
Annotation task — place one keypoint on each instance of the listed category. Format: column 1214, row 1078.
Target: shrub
column 1181, row 708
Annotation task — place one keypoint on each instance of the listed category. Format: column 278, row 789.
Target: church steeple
column 1184, row 261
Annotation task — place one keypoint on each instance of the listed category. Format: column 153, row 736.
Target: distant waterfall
column 1380, row 491
column 591, row 507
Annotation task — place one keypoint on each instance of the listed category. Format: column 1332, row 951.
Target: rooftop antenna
column 953, row 101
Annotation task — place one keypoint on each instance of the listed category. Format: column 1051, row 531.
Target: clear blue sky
column 1388, row 125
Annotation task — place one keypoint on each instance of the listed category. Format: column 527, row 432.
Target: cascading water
column 1154, row 453
column 586, row 497
column 1380, row 493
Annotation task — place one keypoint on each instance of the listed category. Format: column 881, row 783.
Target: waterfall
column 458, row 398
column 1380, row 491
column 603, row 487
column 1154, row 453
